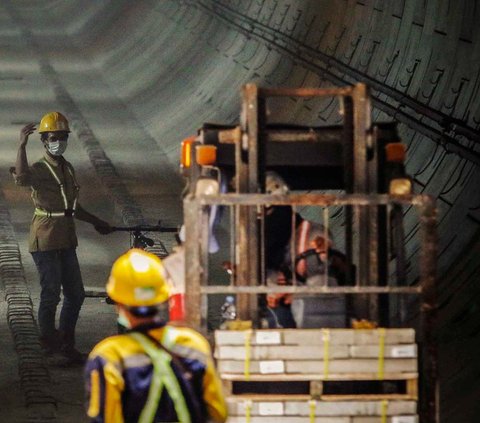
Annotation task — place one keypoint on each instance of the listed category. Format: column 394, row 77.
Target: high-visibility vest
column 67, row 211
column 163, row 376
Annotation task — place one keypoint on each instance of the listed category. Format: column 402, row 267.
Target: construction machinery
column 363, row 163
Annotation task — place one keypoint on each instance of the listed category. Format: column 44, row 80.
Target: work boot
column 50, row 343
column 69, row 352
column 73, row 356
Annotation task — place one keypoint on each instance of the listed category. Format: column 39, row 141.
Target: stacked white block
column 316, row 351
column 318, row 357
column 293, row 411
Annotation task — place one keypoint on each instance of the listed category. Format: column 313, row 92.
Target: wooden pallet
column 335, row 388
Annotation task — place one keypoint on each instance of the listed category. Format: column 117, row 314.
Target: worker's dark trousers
column 59, row 269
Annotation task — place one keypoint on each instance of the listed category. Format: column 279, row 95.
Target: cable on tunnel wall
column 331, row 69
column 284, row 65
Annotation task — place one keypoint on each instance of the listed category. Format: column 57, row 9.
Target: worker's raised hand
column 25, row 132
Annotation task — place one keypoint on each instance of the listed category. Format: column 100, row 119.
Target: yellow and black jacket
column 119, row 373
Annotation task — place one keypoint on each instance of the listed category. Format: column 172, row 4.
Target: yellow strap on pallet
column 248, row 410
column 381, row 353
column 312, row 404
column 326, row 351
column 248, row 350
column 384, row 411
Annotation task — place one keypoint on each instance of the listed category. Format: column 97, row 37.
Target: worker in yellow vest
column 53, row 239
column 154, row 372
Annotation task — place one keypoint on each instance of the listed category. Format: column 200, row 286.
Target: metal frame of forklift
column 364, row 209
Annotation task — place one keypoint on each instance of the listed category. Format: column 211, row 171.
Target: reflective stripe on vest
column 41, row 212
column 163, row 375
column 67, row 211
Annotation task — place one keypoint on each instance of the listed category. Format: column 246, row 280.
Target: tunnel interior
column 135, row 78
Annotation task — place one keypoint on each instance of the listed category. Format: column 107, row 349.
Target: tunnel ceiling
column 176, row 64
column 183, row 63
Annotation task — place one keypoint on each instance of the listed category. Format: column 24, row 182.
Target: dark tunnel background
column 177, row 64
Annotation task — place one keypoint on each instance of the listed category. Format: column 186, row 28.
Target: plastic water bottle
column 228, row 310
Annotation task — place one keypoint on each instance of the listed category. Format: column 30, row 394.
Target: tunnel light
column 400, row 183
column 206, row 155
column 207, row 186
column 400, row 186
column 209, row 181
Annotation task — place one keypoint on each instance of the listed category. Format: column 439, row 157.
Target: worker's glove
column 277, row 278
column 103, row 228
column 364, row 324
column 273, row 300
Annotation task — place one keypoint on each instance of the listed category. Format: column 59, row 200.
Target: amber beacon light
column 206, row 155
column 400, row 183
column 186, row 152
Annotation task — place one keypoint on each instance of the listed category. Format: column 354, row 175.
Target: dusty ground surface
column 97, row 320
column 70, row 83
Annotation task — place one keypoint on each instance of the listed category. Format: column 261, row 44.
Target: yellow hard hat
column 53, row 122
column 137, row 280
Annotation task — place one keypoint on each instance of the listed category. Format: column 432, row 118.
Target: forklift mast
column 364, row 160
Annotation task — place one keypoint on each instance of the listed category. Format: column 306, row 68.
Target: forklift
column 356, row 168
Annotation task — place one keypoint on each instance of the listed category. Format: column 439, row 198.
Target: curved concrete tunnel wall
column 176, row 64
column 183, row 64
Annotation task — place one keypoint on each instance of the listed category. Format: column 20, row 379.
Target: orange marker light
column 206, row 155
column 186, row 152
column 395, row 152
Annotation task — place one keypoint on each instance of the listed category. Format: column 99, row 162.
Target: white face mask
column 56, row 148
column 123, row 320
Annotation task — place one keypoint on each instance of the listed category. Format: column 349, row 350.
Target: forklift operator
column 278, row 232
column 53, row 239
column 318, row 263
